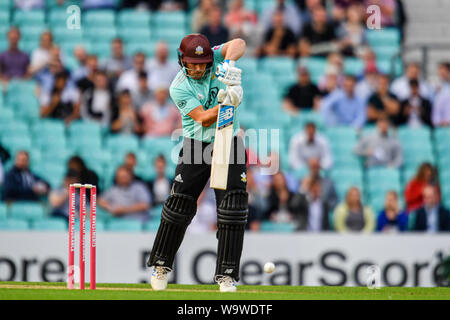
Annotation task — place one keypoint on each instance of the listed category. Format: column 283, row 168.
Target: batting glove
column 235, row 94
column 228, row 74
column 221, row 96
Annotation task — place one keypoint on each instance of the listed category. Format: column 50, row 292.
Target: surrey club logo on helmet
column 199, row 50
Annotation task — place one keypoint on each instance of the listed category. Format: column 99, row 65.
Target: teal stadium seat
column 49, row 224
column 173, row 19
column 148, row 48
column 129, row 34
column 120, row 144
column 133, row 19
column 3, row 212
column 6, row 5
column 95, row 34
column 26, row 210
column 315, row 66
column 104, row 17
column 14, row 225
column 29, row 17
column 123, row 225
column 158, row 145
column 268, row 226
column 31, row 33
column 63, row 34
column 152, row 225
column 384, row 37
column 173, row 36
column 353, row 66
column 381, row 180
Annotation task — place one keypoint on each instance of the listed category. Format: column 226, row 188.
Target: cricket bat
column 222, row 146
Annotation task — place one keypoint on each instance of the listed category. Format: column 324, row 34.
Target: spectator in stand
column 21, row 184
column 344, row 107
column 444, row 77
column 129, row 79
column 96, row 101
column 279, row 40
column 380, row 148
column 29, row 4
column 334, row 66
column 431, row 217
column 84, row 76
column 314, row 210
column 205, row 219
column 401, row 87
column 200, row 15
column 63, row 102
column 59, row 198
column 80, row 54
column 118, row 62
column 368, row 85
column 318, row 37
column 127, row 120
column 392, row 219
column 4, row 156
column 40, row 57
column 215, row 31
column 340, row 7
column 441, row 108
column 98, row 4
column 307, row 145
column 304, row 95
column 387, row 10
column 352, row 215
column 162, row 71
column 130, row 161
column 328, row 192
column 154, row 5
column 416, row 110
column 86, row 176
column 128, row 198
column 144, row 94
column 329, row 83
column 46, row 77
column 169, row 5
column 426, row 176
column 306, row 8
column 242, row 23
column 160, row 117
column 13, row 62
column 280, row 201
column 257, row 202
column 351, row 33
column 160, row 186
column 292, row 17
column 383, row 102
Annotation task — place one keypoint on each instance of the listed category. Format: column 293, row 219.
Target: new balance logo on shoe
column 228, row 271
column 159, row 262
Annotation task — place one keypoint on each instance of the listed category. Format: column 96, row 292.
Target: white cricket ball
column 269, row 267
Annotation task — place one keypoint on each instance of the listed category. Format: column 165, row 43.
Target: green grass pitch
column 58, row 291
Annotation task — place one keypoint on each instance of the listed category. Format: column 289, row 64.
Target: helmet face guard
column 186, row 70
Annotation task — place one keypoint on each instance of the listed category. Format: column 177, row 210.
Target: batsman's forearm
column 235, row 49
column 209, row 116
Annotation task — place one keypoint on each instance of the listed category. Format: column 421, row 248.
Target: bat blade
column 222, row 147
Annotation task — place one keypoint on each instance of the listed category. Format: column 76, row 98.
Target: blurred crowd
column 129, row 95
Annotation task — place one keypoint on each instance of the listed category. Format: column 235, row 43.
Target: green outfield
column 58, row 291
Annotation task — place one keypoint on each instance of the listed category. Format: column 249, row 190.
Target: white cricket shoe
column 226, row 283
column 159, row 278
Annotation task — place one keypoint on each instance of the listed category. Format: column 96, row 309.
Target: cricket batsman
column 207, row 77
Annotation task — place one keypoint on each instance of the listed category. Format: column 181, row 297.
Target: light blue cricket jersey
column 188, row 94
